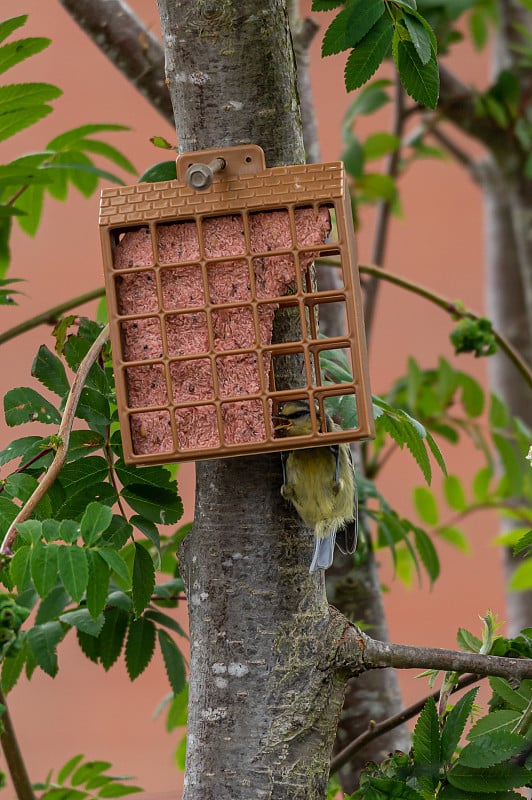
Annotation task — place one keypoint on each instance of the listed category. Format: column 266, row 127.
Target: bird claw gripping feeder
column 195, row 269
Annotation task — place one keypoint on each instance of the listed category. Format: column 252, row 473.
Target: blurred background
column 437, row 242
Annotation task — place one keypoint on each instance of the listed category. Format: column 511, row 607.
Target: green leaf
column 88, row 771
column 472, row 395
column 148, row 529
column 26, row 405
column 81, row 619
column 512, row 462
column 30, row 204
column 147, row 476
column 94, row 521
column 93, row 407
column 491, row 749
column 73, row 569
column 454, row 536
column 25, row 95
column 43, row 641
column 74, row 503
column 421, row 81
column 481, row 483
column 426, row 743
column 368, row 54
column 426, row 506
column 111, row 153
column 164, row 619
column 52, row 606
column 362, row 16
column 18, row 448
column 468, row 641
column 173, row 662
column 455, row 724
column 21, row 486
column 419, row 37
column 15, row 52
column 82, row 443
column 44, row 567
column 503, row 719
column 143, row 578
column 388, row 788
column 162, row 171
column 9, row 25
column 12, row 668
column 454, row 492
column 478, row 29
column 515, row 699
column 118, row 790
column 67, row 768
column 71, row 138
column 12, row 122
column 68, row 530
column 177, row 715
column 116, row 563
column 20, row 568
column 334, row 39
column 89, row 645
column 521, row 579
column 490, row 779
column 139, row 646
column 326, row 5
column 380, row 144
column 156, row 504
column 98, row 583
column 427, row 553
column 79, row 474
column 112, row 635
column 49, row 370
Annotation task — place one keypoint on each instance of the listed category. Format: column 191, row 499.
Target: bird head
column 294, row 418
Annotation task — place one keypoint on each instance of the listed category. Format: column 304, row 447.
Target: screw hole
column 248, row 159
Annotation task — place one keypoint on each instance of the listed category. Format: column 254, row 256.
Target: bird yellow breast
column 310, row 482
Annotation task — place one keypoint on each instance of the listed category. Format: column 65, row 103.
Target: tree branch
column 65, row 428
column 51, row 316
column 450, row 307
column 377, row 729
column 128, row 43
column 13, row 756
column 359, row 652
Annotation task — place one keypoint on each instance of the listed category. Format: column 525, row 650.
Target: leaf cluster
column 67, row 160
column 80, row 780
column 495, row 761
column 78, row 563
column 451, row 405
column 372, row 30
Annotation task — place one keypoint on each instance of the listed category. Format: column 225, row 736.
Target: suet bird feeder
column 195, row 270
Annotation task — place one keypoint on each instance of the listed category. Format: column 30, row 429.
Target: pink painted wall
column 437, row 241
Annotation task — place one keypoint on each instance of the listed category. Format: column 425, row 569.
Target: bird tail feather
column 323, row 552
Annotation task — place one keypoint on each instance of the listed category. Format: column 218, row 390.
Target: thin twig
column 51, row 316
column 454, row 309
column 384, row 210
column 13, row 756
column 377, row 729
column 64, row 437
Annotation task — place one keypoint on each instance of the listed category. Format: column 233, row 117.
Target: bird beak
column 283, row 424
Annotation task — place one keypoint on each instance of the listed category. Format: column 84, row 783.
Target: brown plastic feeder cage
column 195, row 269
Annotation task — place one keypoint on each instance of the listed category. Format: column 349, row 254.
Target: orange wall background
column 437, row 241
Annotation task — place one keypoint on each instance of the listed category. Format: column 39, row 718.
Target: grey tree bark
column 262, row 710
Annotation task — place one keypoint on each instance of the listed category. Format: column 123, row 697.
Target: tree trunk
column 508, row 210
column 263, row 705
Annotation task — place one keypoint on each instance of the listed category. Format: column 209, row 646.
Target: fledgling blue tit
column 320, row 483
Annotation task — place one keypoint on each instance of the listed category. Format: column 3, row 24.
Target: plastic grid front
column 119, row 218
